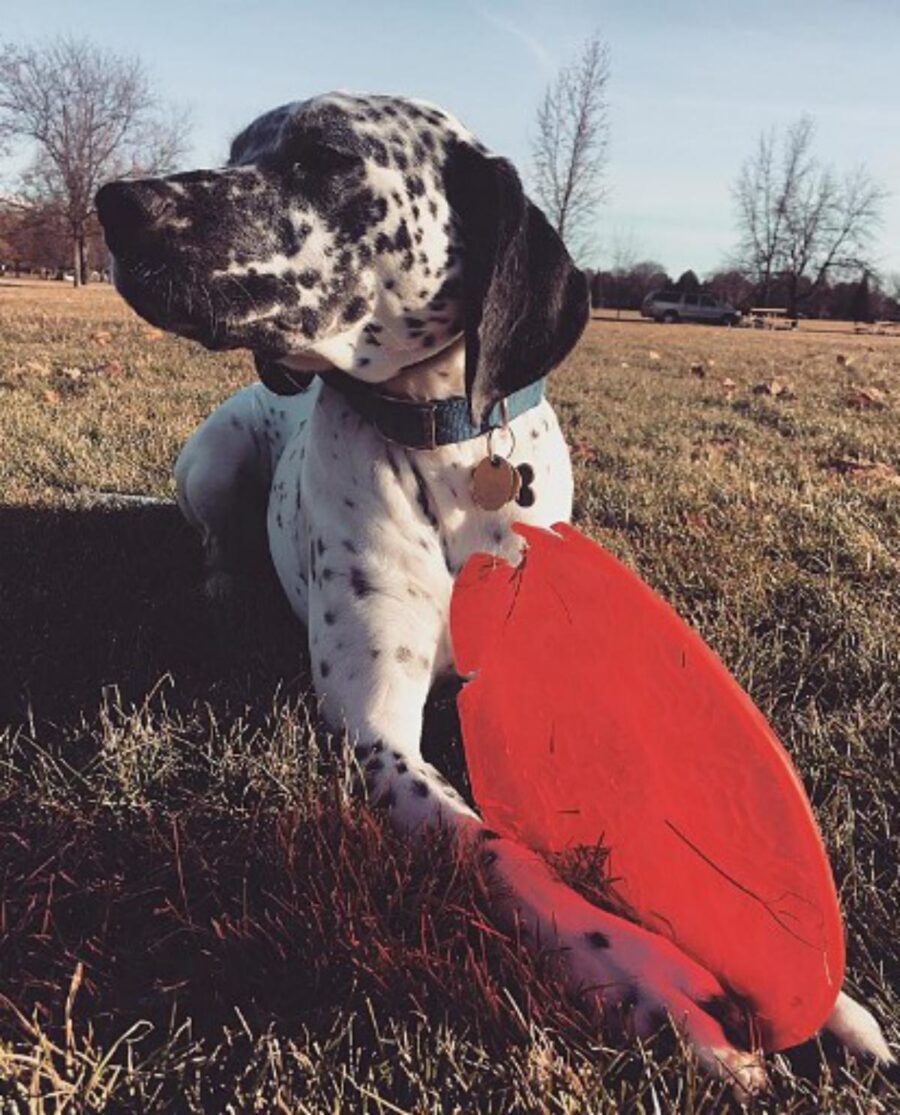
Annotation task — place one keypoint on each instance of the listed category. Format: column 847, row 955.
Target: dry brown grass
column 194, row 912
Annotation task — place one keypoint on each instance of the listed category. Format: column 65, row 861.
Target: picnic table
column 770, row 317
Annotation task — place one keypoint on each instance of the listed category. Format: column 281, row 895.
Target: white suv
column 677, row 305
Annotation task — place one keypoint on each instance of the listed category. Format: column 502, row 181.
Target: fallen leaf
column 583, row 452
column 729, row 384
column 653, row 355
column 71, row 373
column 860, row 469
column 776, row 388
column 867, row 398
column 153, row 334
column 102, row 337
column 51, row 396
column 698, row 370
column 715, row 449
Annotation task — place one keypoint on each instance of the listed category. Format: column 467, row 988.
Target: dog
column 404, row 302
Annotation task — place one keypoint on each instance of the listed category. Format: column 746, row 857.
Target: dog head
column 358, row 233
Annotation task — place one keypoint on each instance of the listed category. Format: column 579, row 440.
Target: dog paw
column 640, row 981
column 635, row 981
column 856, row 1029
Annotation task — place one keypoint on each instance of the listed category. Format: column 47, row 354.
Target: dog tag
column 495, row 483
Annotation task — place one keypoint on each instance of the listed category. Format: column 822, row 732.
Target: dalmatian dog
column 404, row 302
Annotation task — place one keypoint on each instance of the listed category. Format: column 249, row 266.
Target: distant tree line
column 805, row 241
column 35, row 239
column 866, row 297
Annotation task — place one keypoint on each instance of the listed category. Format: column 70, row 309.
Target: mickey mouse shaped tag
column 496, row 482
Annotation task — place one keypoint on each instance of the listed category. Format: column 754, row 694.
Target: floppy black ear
column 281, row 380
column 525, row 301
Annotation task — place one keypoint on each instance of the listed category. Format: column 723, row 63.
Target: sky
column 693, row 83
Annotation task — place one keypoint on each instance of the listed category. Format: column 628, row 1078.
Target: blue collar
column 430, row 425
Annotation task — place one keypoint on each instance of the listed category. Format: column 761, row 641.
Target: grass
column 197, row 914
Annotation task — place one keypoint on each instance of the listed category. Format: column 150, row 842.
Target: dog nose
column 129, row 210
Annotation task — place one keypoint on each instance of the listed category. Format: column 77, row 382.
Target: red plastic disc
column 597, row 714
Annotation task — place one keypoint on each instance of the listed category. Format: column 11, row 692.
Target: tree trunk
column 793, row 285
column 76, row 259
column 82, row 259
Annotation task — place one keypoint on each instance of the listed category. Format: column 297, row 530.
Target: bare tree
column 799, row 221
column 92, row 116
column 570, row 147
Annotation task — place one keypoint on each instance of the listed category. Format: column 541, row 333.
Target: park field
column 196, row 913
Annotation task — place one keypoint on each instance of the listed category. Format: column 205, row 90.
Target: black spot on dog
column 402, row 241
column 360, row 584
column 324, row 668
column 403, row 654
column 329, row 618
column 597, row 940
column 309, row 277
column 420, row 789
column 309, row 321
column 354, row 309
column 287, row 238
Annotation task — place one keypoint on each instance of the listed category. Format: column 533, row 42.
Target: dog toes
column 709, row 1028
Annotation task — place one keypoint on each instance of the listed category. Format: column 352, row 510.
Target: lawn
column 197, row 914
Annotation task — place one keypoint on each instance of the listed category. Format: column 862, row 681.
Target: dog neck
column 442, row 376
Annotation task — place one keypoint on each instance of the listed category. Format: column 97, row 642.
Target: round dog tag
column 494, row 483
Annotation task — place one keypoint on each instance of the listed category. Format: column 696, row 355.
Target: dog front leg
column 373, row 662
column 375, row 683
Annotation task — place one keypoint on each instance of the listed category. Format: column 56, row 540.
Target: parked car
column 677, row 305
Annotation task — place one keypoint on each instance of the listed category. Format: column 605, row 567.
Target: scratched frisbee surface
column 596, row 714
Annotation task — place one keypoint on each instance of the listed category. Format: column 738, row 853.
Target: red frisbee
column 596, row 714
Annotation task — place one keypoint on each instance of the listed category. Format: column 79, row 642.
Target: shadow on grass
column 95, row 598
column 182, row 887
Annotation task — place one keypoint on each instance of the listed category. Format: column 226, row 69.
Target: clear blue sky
column 693, row 83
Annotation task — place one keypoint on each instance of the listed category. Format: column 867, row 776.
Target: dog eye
column 319, row 158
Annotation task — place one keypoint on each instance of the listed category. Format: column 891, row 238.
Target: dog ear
column 281, row 380
column 524, row 300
